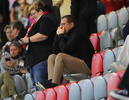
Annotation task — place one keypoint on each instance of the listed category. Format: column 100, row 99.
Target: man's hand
column 24, row 40
column 10, row 64
column 60, row 30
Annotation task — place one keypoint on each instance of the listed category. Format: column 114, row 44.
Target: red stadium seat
column 95, row 42
column 40, row 95
column 97, row 65
column 51, row 94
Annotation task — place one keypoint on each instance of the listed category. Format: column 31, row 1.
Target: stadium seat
column 40, row 95
column 74, row 92
column 20, row 86
column 9, row 98
column 97, row 65
column 106, row 41
column 28, row 97
column 95, row 40
column 102, row 23
column 34, row 94
column 108, row 59
column 113, row 81
column 51, row 94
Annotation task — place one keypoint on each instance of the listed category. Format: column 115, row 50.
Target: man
column 85, row 12
column 18, row 30
column 72, row 52
column 11, row 65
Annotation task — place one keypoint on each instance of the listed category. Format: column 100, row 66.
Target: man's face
column 15, row 52
column 64, row 24
column 9, row 34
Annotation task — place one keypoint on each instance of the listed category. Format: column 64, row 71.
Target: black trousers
column 124, row 83
column 86, row 24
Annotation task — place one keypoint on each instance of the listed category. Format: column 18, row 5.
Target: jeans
column 39, row 73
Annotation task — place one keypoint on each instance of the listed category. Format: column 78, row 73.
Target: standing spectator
column 64, row 6
column 72, row 52
column 39, row 40
column 15, row 11
column 4, row 20
column 85, row 12
column 101, row 9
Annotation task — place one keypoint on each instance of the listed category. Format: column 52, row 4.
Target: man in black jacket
column 85, row 12
column 72, row 52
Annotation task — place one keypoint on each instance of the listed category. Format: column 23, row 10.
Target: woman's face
column 9, row 34
column 36, row 14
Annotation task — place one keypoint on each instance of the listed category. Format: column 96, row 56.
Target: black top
column 83, row 8
column 75, row 44
column 39, row 51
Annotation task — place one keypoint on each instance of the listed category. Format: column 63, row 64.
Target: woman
column 39, row 40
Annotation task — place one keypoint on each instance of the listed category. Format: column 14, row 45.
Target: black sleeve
column 71, row 44
column 126, row 30
column 47, row 27
column 56, row 48
column 74, row 7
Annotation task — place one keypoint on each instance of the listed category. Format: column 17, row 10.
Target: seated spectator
column 18, row 30
column 10, row 37
column 122, row 94
column 12, row 64
column 72, row 50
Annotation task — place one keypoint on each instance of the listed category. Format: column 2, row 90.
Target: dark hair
column 18, row 25
column 70, row 19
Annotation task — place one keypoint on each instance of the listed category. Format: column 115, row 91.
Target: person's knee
column 51, row 57
column 5, row 73
column 3, row 88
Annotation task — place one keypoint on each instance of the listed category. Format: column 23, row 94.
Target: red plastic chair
column 40, row 95
column 95, row 42
column 97, row 65
column 113, row 81
column 51, row 94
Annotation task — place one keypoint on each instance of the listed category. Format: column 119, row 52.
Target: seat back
column 113, row 82
column 28, row 97
column 74, row 92
column 62, row 93
column 108, row 59
column 22, row 89
column 51, row 94
column 102, row 23
column 9, row 98
column 95, row 42
column 40, row 95
column 106, row 41
column 97, row 65
column 34, row 94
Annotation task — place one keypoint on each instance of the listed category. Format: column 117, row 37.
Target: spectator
column 64, row 6
column 85, row 12
column 126, row 30
column 72, row 52
column 25, row 21
column 101, row 9
column 122, row 94
column 39, row 40
column 18, row 30
column 4, row 20
column 15, row 11
column 10, row 38
column 12, row 64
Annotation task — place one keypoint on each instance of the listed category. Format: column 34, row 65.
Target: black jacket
column 74, row 44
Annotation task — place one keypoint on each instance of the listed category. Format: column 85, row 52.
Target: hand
column 10, row 64
column 3, row 48
column 60, row 30
column 24, row 71
column 21, row 42
column 25, row 40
